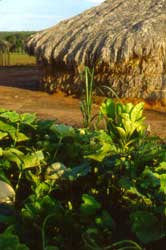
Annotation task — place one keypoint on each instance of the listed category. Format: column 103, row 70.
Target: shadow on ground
column 25, row 77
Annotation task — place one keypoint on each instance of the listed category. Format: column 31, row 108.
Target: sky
column 29, row 15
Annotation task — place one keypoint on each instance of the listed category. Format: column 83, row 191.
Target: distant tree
column 12, row 40
column 15, row 40
column 4, row 46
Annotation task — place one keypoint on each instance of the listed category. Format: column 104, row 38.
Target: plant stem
column 43, row 229
column 86, row 104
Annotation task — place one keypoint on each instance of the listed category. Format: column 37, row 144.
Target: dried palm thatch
column 125, row 41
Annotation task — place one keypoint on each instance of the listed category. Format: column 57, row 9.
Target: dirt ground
column 20, row 91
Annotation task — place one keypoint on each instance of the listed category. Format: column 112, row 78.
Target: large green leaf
column 105, row 220
column 124, row 121
column 150, row 179
column 23, row 161
column 78, row 171
column 125, row 183
column 161, row 168
column 108, row 108
column 62, row 130
column 10, row 241
column 122, row 132
column 32, row 160
column 2, row 135
column 146, row 226
column 102, row 153
column 13, row 155
column 128, row 107
column 90, row 205
column 133, row 194
column 20, row 137
column 12, row 116
column 3, row 110
column 163, row 183
column 11, row 130
column 105, row 147
column 136, row 112
column 28, row 118
column 3, row 176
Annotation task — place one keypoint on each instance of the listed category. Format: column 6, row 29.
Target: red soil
column 20, row 91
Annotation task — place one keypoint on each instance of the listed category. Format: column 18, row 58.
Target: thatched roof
column 128, row 36
column 114, row 31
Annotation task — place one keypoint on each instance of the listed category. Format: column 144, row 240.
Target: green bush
column 83, row 189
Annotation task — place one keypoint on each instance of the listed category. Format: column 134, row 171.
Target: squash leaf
column 90, row 205
column 146, row 226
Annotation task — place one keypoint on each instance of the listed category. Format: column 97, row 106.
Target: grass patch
column 21, row 59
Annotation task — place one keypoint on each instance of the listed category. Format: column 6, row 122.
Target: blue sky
column 17, row 15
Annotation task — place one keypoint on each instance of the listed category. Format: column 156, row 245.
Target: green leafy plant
column 124, row 122
column 80, row 188
column 10, row 241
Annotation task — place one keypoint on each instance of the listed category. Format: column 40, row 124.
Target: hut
column 125, row 42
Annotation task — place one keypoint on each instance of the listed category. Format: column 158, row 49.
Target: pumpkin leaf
column 90, row 205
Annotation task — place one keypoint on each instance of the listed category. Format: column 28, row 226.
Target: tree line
column 13, row 41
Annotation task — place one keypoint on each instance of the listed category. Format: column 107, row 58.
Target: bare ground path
column 19, row 90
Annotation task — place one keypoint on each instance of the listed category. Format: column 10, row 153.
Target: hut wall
column 143, row 78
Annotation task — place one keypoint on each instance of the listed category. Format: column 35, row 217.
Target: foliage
column 10, row 241
column 16, row 40
column 12, row 49
column 83, row 189
column 124, row 121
